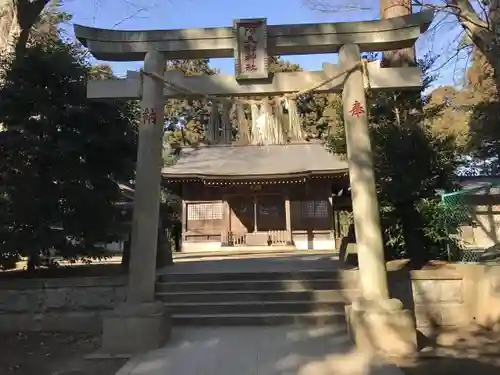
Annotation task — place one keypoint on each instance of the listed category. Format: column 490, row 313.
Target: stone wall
column 435, row 296
column 58, row 304
column 482, row 294
column 451, row 295
column 446, row 296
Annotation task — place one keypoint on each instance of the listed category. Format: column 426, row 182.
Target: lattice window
column 270, row 207
column 317, row 209
column 205, row 211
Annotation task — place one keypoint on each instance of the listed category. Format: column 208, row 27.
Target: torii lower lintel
column 279, row 84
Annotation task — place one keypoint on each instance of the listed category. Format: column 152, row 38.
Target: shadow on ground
column 51, row 353
column 290, row 350
column 241, row 351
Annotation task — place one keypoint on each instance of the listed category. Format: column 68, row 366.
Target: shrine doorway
column 270, row 212
column 257, row 213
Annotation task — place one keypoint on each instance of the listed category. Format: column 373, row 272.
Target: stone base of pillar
column 382, row 327
column 132, row 329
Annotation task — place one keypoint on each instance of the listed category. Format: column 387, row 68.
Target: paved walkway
column 264, row 350
column 284, row 350
column 260, row 262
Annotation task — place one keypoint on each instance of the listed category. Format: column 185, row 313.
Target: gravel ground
column 64, row 354
column 53, row 354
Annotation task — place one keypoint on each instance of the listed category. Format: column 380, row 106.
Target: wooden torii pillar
column 142, row 323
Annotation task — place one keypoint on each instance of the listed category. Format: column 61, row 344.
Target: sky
column 178, row 14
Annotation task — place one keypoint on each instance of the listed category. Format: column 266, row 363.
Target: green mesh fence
column 458, row 213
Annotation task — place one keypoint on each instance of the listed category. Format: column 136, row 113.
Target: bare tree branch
column 479, row 21
column 136, row 7
column 133, row 15
column 326, row 6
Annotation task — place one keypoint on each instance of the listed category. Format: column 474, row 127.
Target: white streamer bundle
column 241, row 120
column 279, row 118
column 213, row 131
column 294, row 128
column 257, row 138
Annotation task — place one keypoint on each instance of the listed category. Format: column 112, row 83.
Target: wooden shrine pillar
column 288, row 221
column 255, row 214
column 334, row 221
column 226, row 223
column 184, row 216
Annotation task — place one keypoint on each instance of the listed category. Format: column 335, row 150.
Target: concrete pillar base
column 382, row 327
column 132, row 329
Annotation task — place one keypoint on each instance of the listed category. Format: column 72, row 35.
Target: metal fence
column 458, row 213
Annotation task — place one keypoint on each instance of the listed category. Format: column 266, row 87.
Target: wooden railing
column 233, row 239
column 238, row 239
column 270, row 238
column 278, row 237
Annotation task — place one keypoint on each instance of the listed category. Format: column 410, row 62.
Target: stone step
column 245, row 276
column 245, row 319
column 246, row 307
column 248, row 285
column 257, row 295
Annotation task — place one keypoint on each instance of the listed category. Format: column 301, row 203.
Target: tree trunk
column 492, row 54
column 10, row 29
column 405, row 56
column 413, row 235
column 33, row 262
column 17, row 17
column 484, row 34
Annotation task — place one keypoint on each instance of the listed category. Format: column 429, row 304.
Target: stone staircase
column 267, row 298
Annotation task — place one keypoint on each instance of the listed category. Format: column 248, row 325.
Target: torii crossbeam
column 379, row 79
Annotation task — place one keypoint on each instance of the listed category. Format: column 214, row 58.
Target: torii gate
column 142, row 324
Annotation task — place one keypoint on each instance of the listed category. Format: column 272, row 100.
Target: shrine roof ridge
column 293, row 39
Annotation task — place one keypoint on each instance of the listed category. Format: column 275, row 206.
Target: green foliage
column 60, row 156
column 47, row 28
column 188, row 117
column 278, row 65
column 315, row 110
column 319, row 114
column 471, row 112
column 435, row 224
column 411, row 164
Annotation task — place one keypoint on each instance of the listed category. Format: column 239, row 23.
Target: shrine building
column 272, row 196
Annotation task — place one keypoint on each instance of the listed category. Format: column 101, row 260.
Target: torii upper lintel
column 294, row 39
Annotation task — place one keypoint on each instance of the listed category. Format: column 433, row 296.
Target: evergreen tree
column 61, row 156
